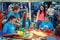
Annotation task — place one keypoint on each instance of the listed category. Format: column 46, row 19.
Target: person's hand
column 13, row 22
column 18, row 18
column 7, row 34
column 17, row 24
column 41, row 29
column 18, row 21
column 15, row 34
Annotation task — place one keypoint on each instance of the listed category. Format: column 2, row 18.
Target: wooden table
column 35, row 35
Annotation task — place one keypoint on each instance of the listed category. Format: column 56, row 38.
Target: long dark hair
column 24, row 16
column 43, row 10
column 24, row 19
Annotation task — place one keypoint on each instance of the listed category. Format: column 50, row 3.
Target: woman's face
column 27, row 16
column 42, row 8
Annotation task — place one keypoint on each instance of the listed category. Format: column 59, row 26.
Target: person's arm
column 21, row 22
column 53, row 11
column 37, row 15
column 18, row 21
column 5, row 35
column 47, row 13
column 51, row 27
column 41, row 25
column 17, row 24
column 9, row 14
column 5, row 28
column 48, row 10
column 18, row 18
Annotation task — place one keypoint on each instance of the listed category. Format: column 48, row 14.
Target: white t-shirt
column 51, row 11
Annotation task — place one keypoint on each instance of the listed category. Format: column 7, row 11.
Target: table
column 36, row 34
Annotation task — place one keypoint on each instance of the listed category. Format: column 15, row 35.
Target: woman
column 25, row 21
column 40, row 15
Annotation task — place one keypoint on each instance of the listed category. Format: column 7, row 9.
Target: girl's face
column 27, row 16
column 46, row 19
column 42, row 8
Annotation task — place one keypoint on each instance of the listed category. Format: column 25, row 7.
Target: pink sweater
column 40, row 16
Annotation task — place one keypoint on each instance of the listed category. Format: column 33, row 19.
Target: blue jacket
column 48, row 25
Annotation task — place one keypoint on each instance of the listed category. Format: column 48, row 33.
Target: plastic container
column 22, row 29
